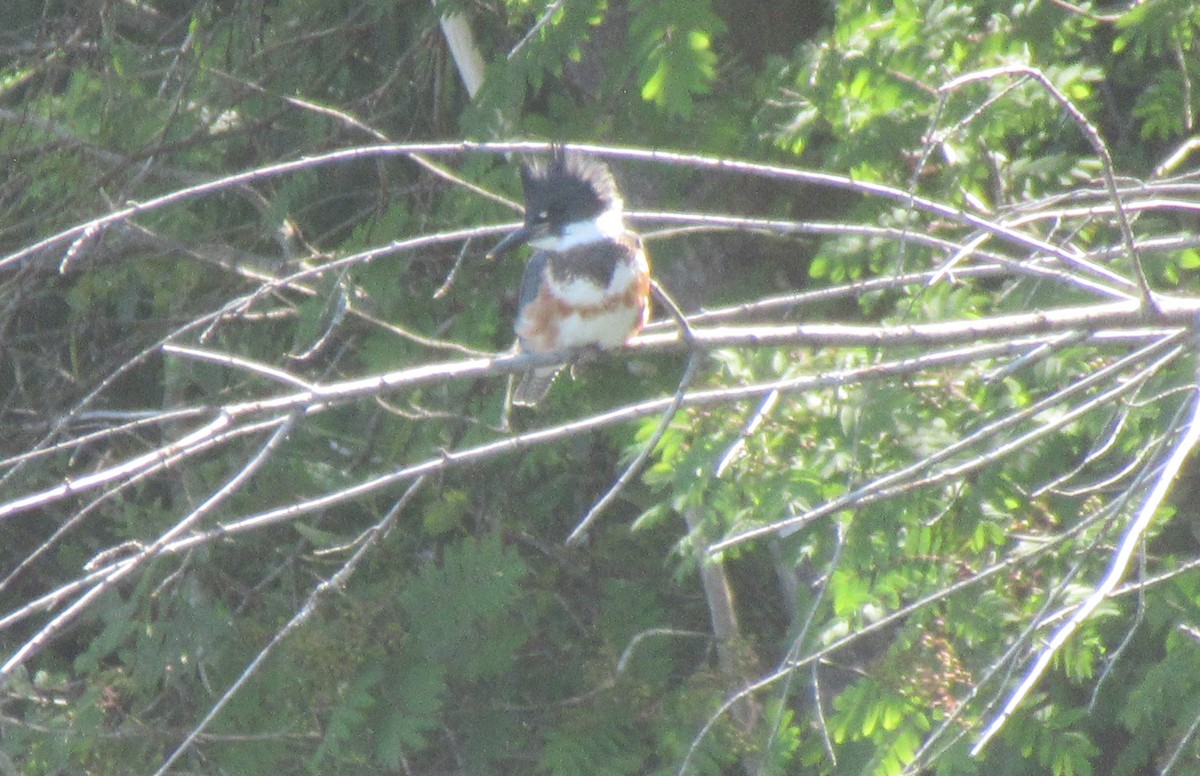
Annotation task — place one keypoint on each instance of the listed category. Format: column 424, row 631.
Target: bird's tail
column 532, row 386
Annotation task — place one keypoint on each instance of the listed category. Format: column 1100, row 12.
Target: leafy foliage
column 846, row 552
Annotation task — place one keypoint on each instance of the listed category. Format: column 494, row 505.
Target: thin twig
column 635, row 466
column 130, row 481
column 242, row 363
column 791, row 665
column 539, row 24
column 902, row 478
column 1120, row 562
column 444, row 288
column 336, row 582
column 749, row 428
column 152, row 550
column 1098, row 145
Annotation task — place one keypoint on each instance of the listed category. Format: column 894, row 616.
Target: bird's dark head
column 568, row 191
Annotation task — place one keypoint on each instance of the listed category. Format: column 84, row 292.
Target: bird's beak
column 513, row 241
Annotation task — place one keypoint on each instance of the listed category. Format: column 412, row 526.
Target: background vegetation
column 900, row 502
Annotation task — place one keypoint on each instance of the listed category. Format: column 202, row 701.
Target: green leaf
column 414, row 698
column 349, row 715
column 674, row 44
column 606, row 751
column 459, row 610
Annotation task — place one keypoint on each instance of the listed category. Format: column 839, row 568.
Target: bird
column 587, row 284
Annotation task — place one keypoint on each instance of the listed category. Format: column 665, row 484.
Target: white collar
column 609, row 225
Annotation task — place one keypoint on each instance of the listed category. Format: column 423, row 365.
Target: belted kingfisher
column 588, row 283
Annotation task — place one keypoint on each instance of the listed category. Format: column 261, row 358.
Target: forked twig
column 1097, row 143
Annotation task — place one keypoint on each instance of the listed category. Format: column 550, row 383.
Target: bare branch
column 1130, row 540
column 334, row 583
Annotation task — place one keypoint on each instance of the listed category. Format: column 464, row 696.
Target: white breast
column 607, row 329
column 583, row 292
